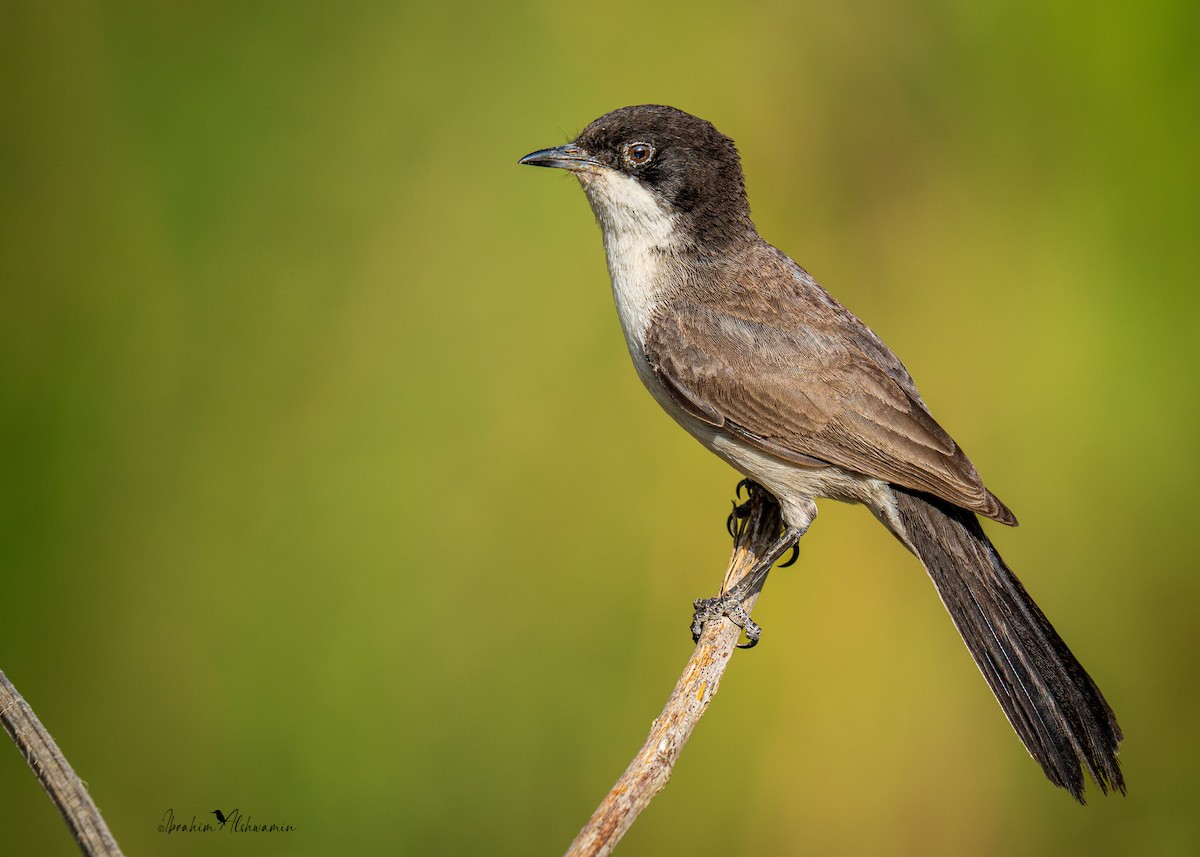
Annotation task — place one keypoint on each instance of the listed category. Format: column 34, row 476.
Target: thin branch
column 651, row 768
column 66, row 790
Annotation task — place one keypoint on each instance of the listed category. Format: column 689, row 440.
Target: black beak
column 568, row 157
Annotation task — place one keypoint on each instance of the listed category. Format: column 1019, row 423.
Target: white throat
column 638, row 234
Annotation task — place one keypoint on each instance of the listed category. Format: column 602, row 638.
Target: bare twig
column 54, row 773
column 650, row 769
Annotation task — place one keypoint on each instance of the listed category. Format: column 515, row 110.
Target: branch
column 66, row 790
column 650, row 769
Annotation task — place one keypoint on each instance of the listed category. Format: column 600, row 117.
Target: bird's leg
column 730, row 603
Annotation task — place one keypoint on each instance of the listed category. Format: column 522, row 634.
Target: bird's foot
column 728, row 605
column 736, row 516
column 740, row 510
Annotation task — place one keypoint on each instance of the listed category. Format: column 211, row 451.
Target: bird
column 220, row 817
column 757, row 361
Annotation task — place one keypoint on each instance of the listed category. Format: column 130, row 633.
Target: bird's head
column 640, row 165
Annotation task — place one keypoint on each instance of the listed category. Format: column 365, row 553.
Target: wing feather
column 803, row 379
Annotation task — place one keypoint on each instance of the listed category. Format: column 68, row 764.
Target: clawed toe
column 739, row 513
column 740, row 510
column 705, row 611
column 708, row 609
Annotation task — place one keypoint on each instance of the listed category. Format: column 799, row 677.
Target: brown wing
column 802, row 378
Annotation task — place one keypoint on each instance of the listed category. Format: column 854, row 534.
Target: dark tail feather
column 1051, row 702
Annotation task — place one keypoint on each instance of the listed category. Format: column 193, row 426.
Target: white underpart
column 639, row 234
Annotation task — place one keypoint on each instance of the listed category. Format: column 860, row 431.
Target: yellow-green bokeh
column 327, row 490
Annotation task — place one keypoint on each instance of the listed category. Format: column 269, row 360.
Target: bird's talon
column 700, row 618
column 744, row 484
column 708, row 609
column 739, row 513
column 791, row 560
column 753, row 633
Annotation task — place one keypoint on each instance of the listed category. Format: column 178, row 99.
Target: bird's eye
column 637, row 154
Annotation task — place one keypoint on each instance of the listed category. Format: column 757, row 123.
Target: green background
column 327, row 490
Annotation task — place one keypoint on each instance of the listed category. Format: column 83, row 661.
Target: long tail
column 1050, row 700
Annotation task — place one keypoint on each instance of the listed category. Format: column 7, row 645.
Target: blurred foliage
column 327, row 491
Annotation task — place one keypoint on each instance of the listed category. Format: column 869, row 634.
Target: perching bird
column 765, row 368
